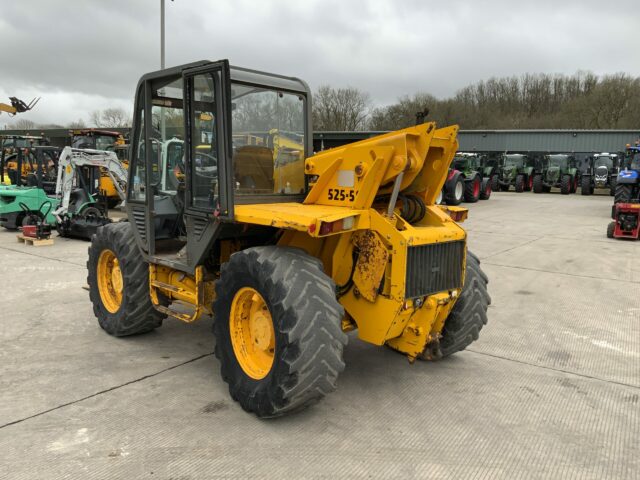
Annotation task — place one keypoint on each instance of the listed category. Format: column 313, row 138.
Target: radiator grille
column 432, row 268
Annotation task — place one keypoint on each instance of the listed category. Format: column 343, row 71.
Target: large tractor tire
column 495, row 183
column 585, row 185
column 612, row 187
column 455, row 194
column 537, row 183
column 574, row 184
column 565, row 185
column 118, row 280
column 624, row 193
column 469, row 314
column 520, row 183
column 485, row 190
column 278, row 330
column 472, row 190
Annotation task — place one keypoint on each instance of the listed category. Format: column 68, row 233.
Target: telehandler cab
column 285, row 273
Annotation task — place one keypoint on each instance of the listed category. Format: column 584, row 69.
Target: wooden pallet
column 34, row 241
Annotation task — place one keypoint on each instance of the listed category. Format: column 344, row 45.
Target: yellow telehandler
column 285, row 273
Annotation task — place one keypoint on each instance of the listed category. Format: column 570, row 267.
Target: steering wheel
column 211, row 170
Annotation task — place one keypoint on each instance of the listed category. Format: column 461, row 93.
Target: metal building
column 584, row 141
column 512, row 140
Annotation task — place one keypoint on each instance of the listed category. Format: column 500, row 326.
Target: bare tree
column 401, row 114
column 343, row 109
column 77, row 124
column 24, row 124
column 110, row 118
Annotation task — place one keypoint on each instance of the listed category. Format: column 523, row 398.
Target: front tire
column 611, row 228
column 520, row 183
column 537, row 184
column 472, row 190
column 585, row 186
column 565, row 185
column 486, row 189
column 300, row 363
column 456, row 195
column 495, row 183
column 118, row 279
column 469, row 314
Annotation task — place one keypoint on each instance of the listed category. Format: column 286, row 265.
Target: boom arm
column 18, row 106
column 72, row 158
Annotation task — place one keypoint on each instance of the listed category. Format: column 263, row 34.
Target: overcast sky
column 83, row 55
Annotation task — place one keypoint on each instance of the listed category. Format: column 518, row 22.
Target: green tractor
column 557, row 170
column 477, row 186
column 515, row 169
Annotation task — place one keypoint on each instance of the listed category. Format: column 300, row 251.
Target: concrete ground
column 551, row 389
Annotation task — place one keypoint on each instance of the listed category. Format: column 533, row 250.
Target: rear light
column 338, row 226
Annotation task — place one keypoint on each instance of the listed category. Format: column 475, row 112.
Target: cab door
column 208, row 152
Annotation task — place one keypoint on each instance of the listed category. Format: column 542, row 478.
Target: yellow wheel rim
column 110, row 281
column 252, row 335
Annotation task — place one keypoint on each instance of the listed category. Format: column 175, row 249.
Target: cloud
column 89, row 54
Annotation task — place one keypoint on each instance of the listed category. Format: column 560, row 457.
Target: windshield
column 603, row 162
column 268, row 141
column 559, row 161
column 634, row 161
column 459, row 163
column 105, row 142
column 513, row 160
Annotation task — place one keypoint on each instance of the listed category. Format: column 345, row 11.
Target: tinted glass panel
column 268, row 141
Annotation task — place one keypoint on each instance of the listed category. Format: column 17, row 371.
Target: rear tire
column 611, row 228
column 624, row 193
column 537, row 183
column 585, row 185
column 565, row 185
column 485, row 193
column 472, row 190
column 306, row 319
column 469, row 314
column 135, row 314
column 520, row 183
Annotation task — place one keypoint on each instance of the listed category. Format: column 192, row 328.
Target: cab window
column 268, row 141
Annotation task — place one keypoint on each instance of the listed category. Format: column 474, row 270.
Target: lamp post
column 162, row 34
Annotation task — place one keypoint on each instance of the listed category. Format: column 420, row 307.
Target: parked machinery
column 628, row 180
column 602, row 172
column 284, row 274
column 79, row 212
column 19, row 201
column 100, row 139
column 626, row 221
column 557, row 170
column 17, row 155
column 515, row 169
column 477, row 186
